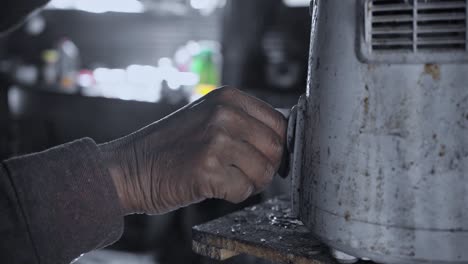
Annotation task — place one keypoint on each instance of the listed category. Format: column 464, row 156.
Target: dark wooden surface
column 266, row 231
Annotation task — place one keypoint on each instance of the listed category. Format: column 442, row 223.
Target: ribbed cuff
column 68, row 199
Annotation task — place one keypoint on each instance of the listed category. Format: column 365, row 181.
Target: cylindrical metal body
column 384, row 170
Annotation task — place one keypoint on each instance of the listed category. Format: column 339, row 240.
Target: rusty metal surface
column 266, row 231
column 385, row 165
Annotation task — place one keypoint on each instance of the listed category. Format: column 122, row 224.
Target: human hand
column 227, row 145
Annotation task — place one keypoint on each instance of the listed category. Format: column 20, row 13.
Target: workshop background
column 102, row 69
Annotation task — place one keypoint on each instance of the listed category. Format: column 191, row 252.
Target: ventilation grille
column 416, row 25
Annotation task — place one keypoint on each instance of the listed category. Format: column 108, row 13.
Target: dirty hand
column 227, row 145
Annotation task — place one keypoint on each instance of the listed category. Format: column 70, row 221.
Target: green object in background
column 203, row 64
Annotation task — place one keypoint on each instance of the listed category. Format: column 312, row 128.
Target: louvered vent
column 416, row 26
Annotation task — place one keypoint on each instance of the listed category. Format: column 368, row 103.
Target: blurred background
column 102, row 69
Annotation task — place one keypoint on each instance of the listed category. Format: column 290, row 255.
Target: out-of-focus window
column 296, row 3
column 93, row 6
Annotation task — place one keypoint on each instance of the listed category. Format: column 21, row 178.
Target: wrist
column 111, row 158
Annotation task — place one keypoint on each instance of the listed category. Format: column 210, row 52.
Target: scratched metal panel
column 384, row 172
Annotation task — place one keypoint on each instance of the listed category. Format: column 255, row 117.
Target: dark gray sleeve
column 57, row 204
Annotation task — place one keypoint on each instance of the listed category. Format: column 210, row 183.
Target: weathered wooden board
column 266, row 231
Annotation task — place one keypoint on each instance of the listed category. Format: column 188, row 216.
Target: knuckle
column 223, row 113
column 209, row 163
column 218, row 137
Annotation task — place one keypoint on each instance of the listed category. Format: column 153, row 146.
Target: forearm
column 65, row 199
